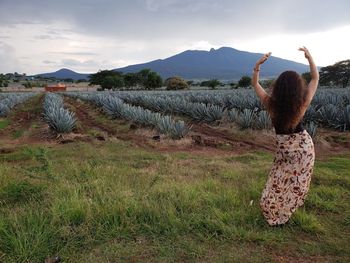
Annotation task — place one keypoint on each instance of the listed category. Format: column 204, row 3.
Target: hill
column 64, row 73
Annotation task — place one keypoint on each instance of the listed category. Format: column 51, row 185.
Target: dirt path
column 26, row 124
column 92, row 119
column 225, row 136
column 86, row 117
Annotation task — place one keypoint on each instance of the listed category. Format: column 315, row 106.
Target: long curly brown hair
column 288, row 94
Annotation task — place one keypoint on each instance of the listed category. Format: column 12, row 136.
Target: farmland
column 163, row 176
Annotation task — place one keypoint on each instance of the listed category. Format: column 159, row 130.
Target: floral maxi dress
column 289, row 179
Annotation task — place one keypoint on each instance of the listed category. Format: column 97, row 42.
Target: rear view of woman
column 289, row 178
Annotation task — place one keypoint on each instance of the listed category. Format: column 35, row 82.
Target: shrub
column 244, row 82
column 176, row 83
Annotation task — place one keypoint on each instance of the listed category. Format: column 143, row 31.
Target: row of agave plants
column 198, row 112
column 246, row 98
column 9, row 100
column 116, row 108
column 59, row 119
column 201, row 112
column 329, row 108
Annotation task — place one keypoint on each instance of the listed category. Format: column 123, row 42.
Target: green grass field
column 115, row 202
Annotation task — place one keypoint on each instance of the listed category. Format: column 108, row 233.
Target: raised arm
column 314, row 76
column 262, row 94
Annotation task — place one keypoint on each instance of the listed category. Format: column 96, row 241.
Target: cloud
column 50, row 37
column 49, row 62
column 189, row 18
column 79, row 53
column 9, row 61
column 91, row 31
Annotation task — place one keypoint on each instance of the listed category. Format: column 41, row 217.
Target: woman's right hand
column 306, row 52
column 263, row 59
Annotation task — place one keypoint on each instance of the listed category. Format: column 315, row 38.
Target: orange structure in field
column 55, row 87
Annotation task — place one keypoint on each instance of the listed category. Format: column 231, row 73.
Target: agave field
column 330, row 108
column 171, row 113
column 9, row 100
column 163, row 176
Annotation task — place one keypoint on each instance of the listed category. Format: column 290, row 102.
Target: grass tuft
column 20, row 192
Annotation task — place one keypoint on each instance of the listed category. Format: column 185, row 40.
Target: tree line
column 114, row 80
column 148, row 79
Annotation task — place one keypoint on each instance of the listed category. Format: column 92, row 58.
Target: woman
column 289, row 179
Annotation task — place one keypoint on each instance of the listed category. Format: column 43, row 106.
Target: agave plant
column 328, row 115
column 245, row 119
column 165, row 124
column 263, row 121
column 112, row 106
column 343, row 119
column 4, row 109
column 311, row 114
column 179, row 130
column 311, row 128
column 59, row 119
column 233, row 115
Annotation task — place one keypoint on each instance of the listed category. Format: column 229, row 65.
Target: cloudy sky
column 39, row 36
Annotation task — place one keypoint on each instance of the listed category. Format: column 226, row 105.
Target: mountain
column 224, row 63
column 64, row 73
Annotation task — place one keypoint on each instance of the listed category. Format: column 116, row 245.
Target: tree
column 112, row 82
column 131, row 80
column 149, row 79
column 338, row 74
column 97, row 78
column 306, row 76
column 4, row 80
column 190, row 82
column 153, row 81
column 233, row 85
column 244, row 82
column 176, row 83
column 27, row 85
column 267, row 83
column 213, row 83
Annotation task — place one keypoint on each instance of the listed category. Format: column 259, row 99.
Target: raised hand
column 263, row 59
column 306, row 52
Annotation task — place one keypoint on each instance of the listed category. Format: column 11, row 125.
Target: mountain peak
column 65, row 70
column 64, row 73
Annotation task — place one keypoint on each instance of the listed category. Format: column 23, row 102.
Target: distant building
column 55, row 87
